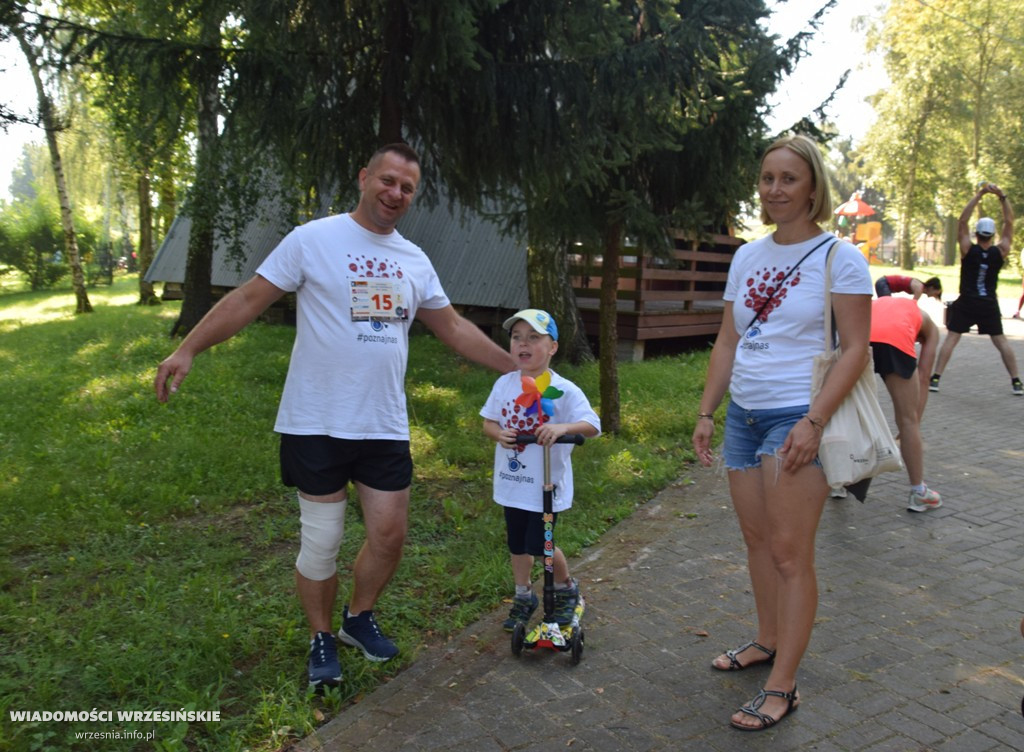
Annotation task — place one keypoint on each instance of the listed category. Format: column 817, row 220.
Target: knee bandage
column 323, row 525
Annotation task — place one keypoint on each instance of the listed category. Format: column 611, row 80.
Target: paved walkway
column 916, row 646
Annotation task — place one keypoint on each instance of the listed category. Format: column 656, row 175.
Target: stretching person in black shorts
column 897, row 327
column 980, row 263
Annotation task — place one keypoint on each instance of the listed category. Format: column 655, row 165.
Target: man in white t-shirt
column 359, row 284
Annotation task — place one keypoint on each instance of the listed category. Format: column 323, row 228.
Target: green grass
column 149, row 549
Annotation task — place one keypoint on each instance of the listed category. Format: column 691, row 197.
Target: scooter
column 548, row 634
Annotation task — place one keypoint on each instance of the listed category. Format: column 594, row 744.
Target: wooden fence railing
column 677, row 295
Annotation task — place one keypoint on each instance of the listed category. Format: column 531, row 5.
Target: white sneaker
column 923, row 502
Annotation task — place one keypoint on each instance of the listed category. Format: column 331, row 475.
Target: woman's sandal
column 767, row 721
column 734, row 663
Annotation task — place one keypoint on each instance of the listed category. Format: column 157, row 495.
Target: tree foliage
column 588, row 122
column 950, row 119
column 32, row 240
column 148, row 110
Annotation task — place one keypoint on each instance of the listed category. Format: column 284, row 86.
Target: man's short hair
column 935, row 283
column 403, row 150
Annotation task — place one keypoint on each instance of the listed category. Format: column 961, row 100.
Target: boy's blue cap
column 540, row 320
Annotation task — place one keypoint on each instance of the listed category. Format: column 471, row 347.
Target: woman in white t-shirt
column 771, row 330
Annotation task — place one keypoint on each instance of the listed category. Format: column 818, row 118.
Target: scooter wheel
column 576, row 646
column 518, row 636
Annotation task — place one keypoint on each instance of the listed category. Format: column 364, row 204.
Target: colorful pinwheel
column 537, row 395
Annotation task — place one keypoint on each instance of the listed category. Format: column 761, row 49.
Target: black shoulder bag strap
column 829, row 312
column 779, row 285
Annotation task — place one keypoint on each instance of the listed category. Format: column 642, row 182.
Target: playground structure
column 866, row 235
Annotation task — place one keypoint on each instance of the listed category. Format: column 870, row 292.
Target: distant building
column 480, row 267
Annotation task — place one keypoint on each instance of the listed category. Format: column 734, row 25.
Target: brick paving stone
column 897, row 744
column 975, row 712
column 826, row 745
column 916, row 646
column 1006, row 732
column 969, row 742
column 864, row 734
column 944, row 725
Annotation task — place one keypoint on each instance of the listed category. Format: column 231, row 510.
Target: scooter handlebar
column 569, row 438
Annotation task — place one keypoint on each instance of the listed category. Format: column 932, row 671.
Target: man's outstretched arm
column 232, row 313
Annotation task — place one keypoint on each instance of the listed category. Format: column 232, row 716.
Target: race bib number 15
column 379, row 299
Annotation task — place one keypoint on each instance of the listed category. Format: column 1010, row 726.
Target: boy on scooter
column 534, row 400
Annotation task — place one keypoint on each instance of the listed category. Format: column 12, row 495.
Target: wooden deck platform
column 660, row 297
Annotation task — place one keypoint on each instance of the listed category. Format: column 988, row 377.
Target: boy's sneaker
column 1018, row 387
column 565, row 603
column 362, row 632
column 924, row 502
column 933, row 383
column 324, row 668
column 521, row 611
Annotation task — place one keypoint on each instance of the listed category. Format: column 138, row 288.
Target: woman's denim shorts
column 749, row 434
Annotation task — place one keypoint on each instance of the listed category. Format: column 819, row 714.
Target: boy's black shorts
column 966, row 312
column 889, row 359
column 322, row 465
column 525, row 531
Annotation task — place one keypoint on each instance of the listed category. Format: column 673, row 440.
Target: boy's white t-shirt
column 346, row 378
column 519, row 475
column 774, row 356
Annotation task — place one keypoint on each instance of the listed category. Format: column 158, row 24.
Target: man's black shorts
column 322, row 465
column 525, row 531
column 967, row 312
column 889, row 359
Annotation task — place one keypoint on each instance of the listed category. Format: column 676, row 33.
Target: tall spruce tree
column 585, row 120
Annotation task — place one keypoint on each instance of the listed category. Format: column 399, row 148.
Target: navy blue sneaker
column 362, row 632
column 566, row 600
column 521, row 611
column 324, row 668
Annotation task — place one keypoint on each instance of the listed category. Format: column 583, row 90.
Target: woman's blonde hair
column 806, row 149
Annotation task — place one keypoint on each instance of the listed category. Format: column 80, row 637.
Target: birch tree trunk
column 67, row 221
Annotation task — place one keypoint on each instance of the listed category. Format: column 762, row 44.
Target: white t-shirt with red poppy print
column 774, row 356
column 346, row 377
column 519, row 472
